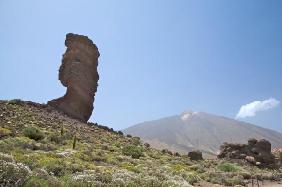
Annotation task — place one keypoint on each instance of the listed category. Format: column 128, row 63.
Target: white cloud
column 252, row 108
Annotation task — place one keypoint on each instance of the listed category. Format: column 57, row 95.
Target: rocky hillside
column 199, row 130
column 42, row 147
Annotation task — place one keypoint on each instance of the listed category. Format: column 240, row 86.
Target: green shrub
column 130, row 167
column 61, row 137
column 74, row 183
column 154, row 155
column 40, row 146
column 105, row 178
column 133, row 151
column 235, row 180
column 56, row 170
column 33, row 133
column 197, row 167
column 178, row 168
column 36, row 181
column 117, row 144
column 99, row 157
column 4, row 132
column 136, row 141
column 227, row 167
column 56, row 138
column 10, row 144
column 192, row 177
column 59, row 167
column 104, row 147
column 6, row 157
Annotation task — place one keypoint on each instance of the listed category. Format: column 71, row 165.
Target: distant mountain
column 199, row 130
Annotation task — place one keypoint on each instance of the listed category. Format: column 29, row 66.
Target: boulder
column 257, row 152
column 252, row 141
column 263, row 146
column 195, row 155
column 79, row 74
column 278, row 156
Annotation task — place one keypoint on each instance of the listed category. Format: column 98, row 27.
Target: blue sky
column 158, row 58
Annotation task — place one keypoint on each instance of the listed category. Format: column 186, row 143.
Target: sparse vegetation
column 4, row 132
column 37, row 150
column 227, row 167
column 133, row 151
column 33, row 133
column 13, row 174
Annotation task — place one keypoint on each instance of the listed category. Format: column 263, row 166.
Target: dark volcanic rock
column 255, row 152
column 195, row 155
column 79, row 74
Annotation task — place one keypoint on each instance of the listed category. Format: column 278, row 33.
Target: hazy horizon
column 158, row 58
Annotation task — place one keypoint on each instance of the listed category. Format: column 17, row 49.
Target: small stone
column 258, row 163
column 66, row 153
column 250, row 159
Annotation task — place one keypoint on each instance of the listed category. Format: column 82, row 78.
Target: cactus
column 74, row 142
column 62, row 131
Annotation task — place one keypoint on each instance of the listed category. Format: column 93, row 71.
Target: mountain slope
column 42, row 147
column 199, row 130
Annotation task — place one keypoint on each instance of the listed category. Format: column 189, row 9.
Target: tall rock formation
column 79, row 74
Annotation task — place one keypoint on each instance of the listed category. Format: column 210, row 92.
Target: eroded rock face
column 257, row 152
column 79, row 74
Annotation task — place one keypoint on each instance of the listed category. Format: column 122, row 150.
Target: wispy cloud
column 250, row 109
